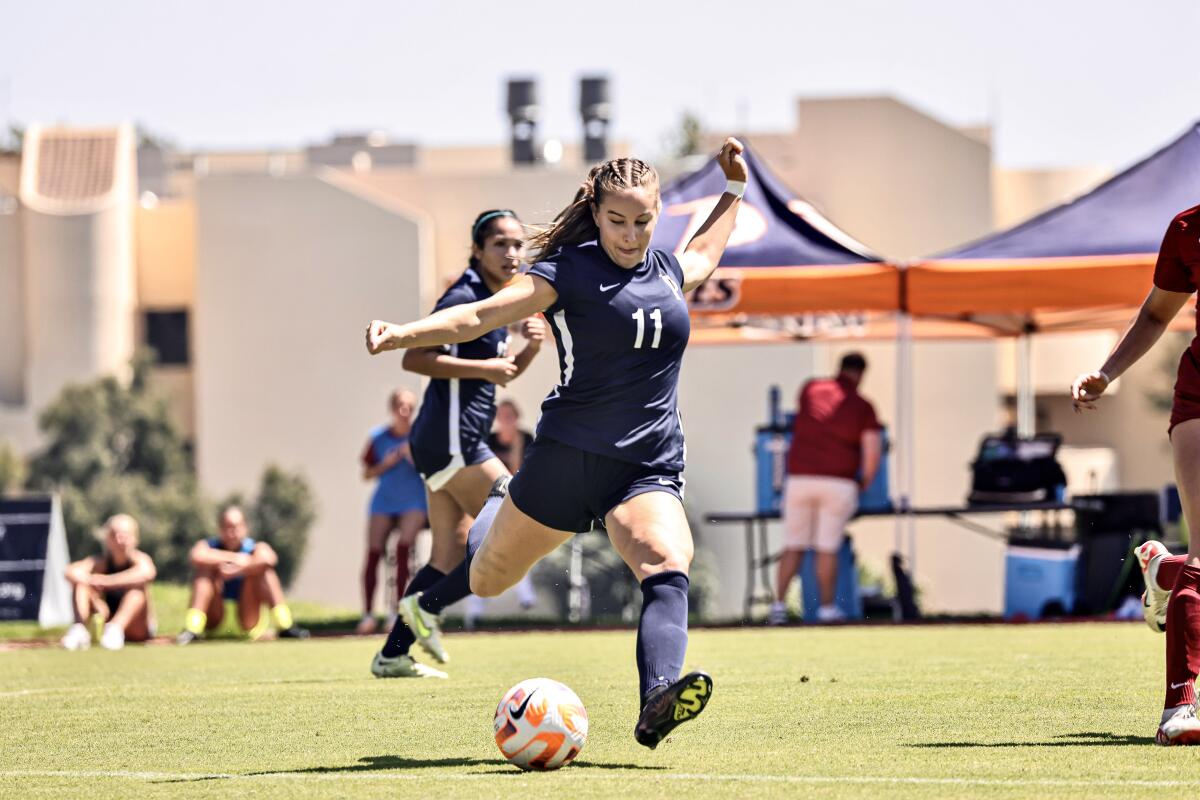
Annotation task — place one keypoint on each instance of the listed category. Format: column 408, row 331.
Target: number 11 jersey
column 620, row 334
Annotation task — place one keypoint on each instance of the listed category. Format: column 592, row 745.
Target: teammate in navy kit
column 610, row 440
column 448, row 442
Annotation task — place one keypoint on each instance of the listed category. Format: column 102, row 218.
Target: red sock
column 401, row 568
column 370, row 578
column 1183, row 639
column 1169, row 568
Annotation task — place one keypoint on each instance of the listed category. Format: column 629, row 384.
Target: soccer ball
column 540, row 724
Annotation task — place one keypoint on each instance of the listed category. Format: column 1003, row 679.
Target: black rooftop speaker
column 596, row 112
column 523, row 112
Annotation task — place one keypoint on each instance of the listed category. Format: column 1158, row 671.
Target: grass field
column 992, row 711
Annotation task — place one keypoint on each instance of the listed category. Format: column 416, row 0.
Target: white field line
column 667, row 776
column 49, row 690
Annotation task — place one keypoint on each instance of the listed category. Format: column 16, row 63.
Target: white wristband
column 735, row 188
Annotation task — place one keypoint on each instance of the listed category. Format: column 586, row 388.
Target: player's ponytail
column 575, row 224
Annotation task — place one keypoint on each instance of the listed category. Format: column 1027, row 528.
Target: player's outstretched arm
column 1153, row 318
column 704, row 251
column 525, row 297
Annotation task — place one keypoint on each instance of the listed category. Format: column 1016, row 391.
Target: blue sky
column 1064, row 82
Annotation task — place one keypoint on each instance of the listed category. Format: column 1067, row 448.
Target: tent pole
column 904, row 438
column 1026, row 417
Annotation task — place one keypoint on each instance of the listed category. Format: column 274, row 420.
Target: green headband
column 489, row 216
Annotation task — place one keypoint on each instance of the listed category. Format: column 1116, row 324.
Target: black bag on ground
column 1012, row 469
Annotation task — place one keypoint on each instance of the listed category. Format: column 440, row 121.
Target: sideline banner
column 33, row 555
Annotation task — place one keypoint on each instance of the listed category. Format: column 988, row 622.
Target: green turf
column 953, row 711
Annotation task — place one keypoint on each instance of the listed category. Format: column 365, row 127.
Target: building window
column 167, row 333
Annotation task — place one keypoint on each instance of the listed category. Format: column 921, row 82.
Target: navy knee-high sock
column 401, row 638
column 662, row 631
column 448, row 591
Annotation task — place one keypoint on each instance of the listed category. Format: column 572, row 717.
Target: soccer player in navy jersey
column 609, row 443
column 448, row 441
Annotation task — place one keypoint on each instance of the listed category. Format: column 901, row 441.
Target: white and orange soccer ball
column 540, row 724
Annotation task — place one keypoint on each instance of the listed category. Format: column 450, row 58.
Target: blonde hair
column 102, row 532
column 575, row 224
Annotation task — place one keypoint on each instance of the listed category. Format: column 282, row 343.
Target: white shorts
column 816, row 510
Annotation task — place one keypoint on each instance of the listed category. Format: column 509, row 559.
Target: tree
column 15, row 139
column 687, row 139
column 12, row 469
column 111, row 448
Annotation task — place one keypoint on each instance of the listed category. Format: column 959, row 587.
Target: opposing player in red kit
column 1177, row 578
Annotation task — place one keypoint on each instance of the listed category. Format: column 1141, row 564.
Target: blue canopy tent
column 1083, row 265
column 1080, row 265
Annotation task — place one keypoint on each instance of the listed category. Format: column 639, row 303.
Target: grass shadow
column 1088, row 739
column 388, row 763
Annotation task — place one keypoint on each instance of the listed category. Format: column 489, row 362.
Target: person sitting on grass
column 233, row 566
column 111, row 590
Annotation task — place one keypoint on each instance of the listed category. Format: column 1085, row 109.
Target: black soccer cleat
column 294, row 632
column 665, row 709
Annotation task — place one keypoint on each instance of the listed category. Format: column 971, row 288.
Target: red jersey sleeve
column 369, row 458
column 1171, row 272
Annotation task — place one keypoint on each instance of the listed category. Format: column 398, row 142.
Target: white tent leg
column 905, row 439
column 1026, row 413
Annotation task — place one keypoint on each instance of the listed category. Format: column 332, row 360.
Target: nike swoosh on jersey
column 605, row 288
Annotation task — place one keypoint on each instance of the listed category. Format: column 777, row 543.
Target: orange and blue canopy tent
column 784, row 259
column 1083, row 265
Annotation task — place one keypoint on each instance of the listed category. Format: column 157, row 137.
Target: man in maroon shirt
column 835, row 452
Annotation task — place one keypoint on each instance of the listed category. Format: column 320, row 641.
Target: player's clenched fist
column 731, row 161
column 379, row 336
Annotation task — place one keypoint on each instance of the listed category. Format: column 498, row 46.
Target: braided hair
column 575, row 223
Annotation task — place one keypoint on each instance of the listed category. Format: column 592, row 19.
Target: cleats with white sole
column 424, row 626
column 1154, row 599
column 1179, row 726
column 402, row 667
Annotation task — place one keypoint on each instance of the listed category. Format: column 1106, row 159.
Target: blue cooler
column 1036, row 577
column 845, row 597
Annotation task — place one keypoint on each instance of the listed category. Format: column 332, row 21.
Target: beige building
column 269, row 265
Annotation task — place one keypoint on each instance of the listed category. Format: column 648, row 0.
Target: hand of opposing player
column 498, row 370
column 731, row 161
column 1086, row 390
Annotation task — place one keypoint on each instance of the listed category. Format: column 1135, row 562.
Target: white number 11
column 640, row 316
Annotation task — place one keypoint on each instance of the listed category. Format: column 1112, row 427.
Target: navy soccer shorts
column 566, row 488
column 438, row 468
